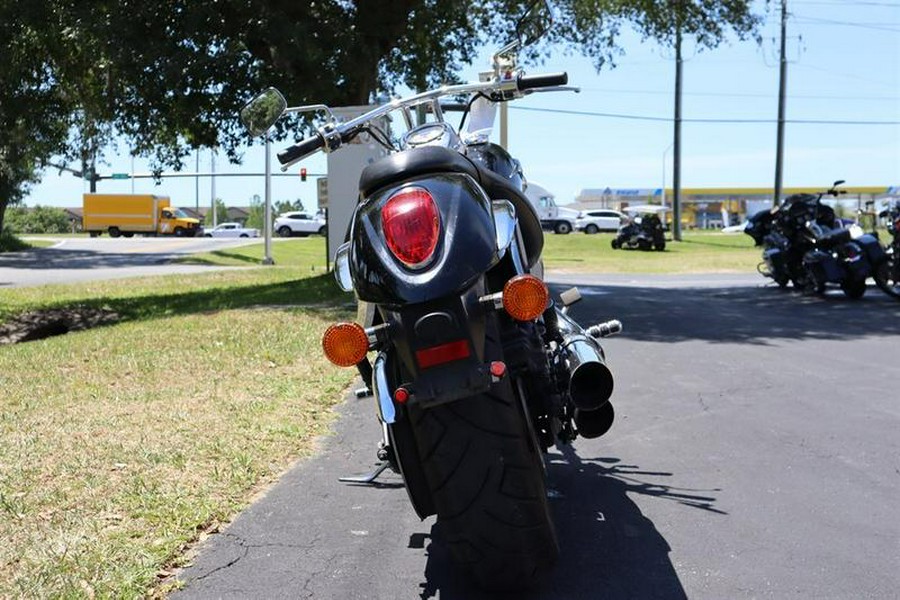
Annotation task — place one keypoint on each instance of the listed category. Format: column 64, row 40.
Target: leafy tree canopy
column 172, row 75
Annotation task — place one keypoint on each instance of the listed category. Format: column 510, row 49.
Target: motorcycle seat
column 400, row 166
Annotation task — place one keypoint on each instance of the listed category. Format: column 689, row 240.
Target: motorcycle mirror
column 532, row 25
column 837, row 183
column 260, row 114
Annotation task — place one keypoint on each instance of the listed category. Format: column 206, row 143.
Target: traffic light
column 303, row 174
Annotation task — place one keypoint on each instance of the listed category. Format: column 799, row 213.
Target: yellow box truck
column 127, row 214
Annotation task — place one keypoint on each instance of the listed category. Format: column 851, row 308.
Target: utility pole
column 212, row 186
column 196, row 182
column 676, row 155
column 267, row 211
column 782, row 84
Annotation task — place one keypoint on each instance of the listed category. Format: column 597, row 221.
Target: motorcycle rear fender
column 419, row 329
column 467, row 246
column 872, row 248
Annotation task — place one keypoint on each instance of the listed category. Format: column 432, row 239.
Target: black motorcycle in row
column 477, row 371
column 888, row 273
column 804, row 243
column 642, row 232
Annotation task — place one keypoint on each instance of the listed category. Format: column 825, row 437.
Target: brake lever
column 556, row 88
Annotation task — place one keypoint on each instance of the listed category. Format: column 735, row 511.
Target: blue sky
column 844, row 66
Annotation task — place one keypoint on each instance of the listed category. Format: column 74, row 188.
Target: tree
column 221, row 214
column 40, row 219
column 256, row 218
column 171, row 75
column 283, row 206
column 34, row 110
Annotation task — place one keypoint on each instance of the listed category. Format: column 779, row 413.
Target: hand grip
column 301, row 149
column 526, row 82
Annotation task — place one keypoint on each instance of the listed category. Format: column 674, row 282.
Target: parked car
column 230, row 230
column 592, row 221
column 300, row 223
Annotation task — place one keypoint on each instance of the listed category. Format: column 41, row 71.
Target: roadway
column 73, row 260
column 754, row 455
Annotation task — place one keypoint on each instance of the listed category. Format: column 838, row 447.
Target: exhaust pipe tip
column 591, row 385
column 594, row 423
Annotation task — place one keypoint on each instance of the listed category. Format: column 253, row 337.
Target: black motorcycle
column 888, row 272
column 782, row 233
column 477, row 371
column 643, row 232
column 806, row 244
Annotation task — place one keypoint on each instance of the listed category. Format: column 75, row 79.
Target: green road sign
column 120, row 176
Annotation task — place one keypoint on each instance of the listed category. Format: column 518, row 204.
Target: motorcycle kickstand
column 368, row 478
column 384, row 463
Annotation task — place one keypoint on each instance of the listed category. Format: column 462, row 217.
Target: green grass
column 306, row 252
column 698, row 252
column 121, row 444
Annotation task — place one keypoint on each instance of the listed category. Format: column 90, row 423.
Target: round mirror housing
column 260, row 114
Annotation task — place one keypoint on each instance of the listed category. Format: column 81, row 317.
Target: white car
column 300, row 223
column 230, row 230
column 592, row 221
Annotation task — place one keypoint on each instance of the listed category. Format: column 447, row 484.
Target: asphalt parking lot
column 755, row 454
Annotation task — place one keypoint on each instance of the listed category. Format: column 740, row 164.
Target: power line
column 669, row 120
column 804, row 20
column 743, row 95
column 847, row 3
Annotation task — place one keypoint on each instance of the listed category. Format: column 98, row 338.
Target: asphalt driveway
column 756, row 454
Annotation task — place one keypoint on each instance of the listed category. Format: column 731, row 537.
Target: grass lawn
column 119, row 445
column 699, row 252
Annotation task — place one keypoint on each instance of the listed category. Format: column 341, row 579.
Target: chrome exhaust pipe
column 590, row 380
column 594, row 423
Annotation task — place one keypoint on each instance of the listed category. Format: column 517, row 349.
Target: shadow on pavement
column 49, row 258
column 609, row 549
column 755, row 315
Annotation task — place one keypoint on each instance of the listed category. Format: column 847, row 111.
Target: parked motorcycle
column 806, row 244
column 644, row 232
column 888, row 272
column 477, row 371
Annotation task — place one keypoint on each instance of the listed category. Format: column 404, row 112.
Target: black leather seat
column 400, row 166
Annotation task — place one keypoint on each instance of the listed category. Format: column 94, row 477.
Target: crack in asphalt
column 247, row 547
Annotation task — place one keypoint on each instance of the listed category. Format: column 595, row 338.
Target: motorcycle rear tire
column 887, row 276
column 486, row 478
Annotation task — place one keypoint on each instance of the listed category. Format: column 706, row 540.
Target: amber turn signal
column 525, row 297
column 345, row 344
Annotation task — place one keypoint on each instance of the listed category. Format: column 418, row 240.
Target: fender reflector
column 525, row 297
column 345, row 344
column 438, row 355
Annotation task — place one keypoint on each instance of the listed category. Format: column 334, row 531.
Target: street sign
column 120, row 176
column 322, row 189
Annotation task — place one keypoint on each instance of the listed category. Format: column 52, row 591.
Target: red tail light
column 411, row 225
